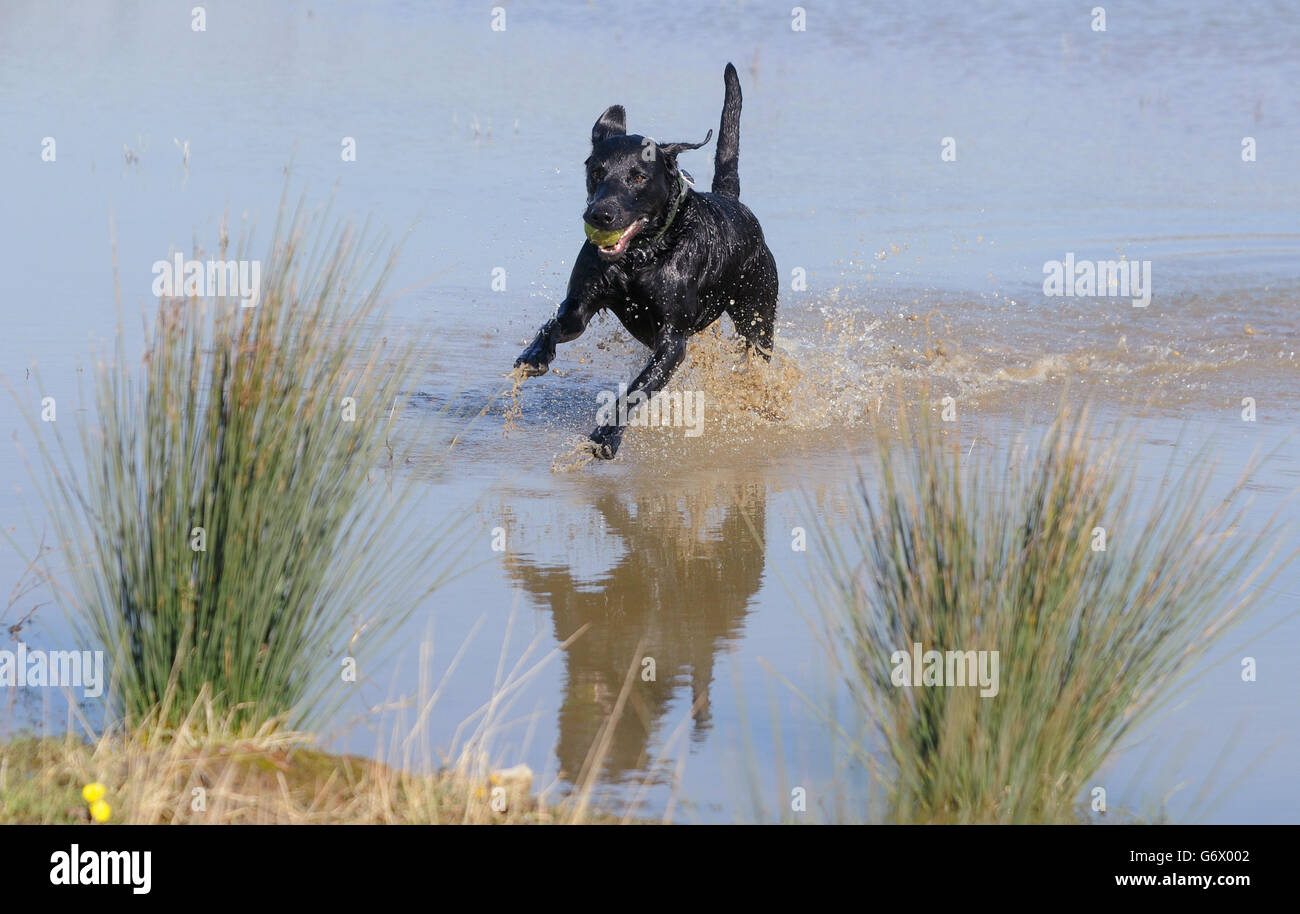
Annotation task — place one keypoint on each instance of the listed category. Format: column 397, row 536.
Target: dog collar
column 684, row 184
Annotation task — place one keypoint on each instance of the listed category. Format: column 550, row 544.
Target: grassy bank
column 201, row 770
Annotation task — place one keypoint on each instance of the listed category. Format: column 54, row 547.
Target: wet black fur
column 712, row 258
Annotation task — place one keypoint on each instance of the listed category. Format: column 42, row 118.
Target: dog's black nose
column 599, row 216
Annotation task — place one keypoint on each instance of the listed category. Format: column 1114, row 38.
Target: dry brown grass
column 203, row 771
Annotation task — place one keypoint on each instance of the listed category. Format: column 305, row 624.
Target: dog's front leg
column 567, row 325
column 584, row 300
column 669, row 351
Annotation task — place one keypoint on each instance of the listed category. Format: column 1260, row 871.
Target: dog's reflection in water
column 692, row 563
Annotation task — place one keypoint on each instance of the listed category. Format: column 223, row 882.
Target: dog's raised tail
column 726, row 174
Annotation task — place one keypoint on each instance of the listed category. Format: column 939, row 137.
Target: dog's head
column 632, row 183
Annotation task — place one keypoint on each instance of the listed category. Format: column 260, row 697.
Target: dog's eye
column 598, row 174
column 636, row 178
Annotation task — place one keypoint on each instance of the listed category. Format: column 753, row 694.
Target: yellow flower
column 100, row 811
column 93, row 793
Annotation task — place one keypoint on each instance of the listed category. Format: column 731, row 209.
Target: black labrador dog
column 668, row 261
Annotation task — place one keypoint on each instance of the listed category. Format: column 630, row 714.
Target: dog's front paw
column 605, row 441
column 531, row 367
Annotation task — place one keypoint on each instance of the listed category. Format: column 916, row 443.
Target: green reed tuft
column 995, row 553
column 235, row 422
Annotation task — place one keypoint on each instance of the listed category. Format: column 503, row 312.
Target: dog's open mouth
column 613, row 243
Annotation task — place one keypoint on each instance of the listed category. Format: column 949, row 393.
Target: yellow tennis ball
column 92, row 793
column 100, row 811
column 599, row 238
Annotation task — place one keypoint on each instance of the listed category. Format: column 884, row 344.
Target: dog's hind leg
column 754, row 321
column 753, row 311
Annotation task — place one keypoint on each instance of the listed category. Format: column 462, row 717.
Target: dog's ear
column 672, row 149
column 612, row 123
